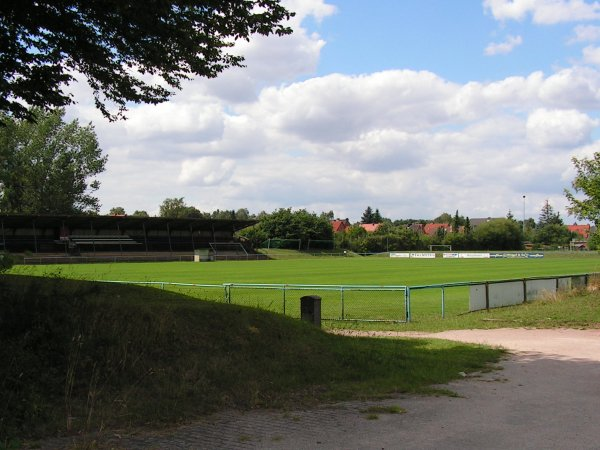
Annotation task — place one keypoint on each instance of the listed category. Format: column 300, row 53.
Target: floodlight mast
column 523, row 216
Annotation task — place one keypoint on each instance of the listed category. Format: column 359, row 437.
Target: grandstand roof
column 97, row 222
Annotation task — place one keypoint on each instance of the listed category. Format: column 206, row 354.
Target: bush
column 6, row 261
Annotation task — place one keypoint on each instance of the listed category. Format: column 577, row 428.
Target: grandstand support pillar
column 145, row 236
column 35, row 246
column 93, row 240
column 169, row 236
column 192, row 237
column 3, row 237
column 120, row 245
column 212, row 226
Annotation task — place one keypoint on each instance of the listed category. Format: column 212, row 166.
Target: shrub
column 6, row 261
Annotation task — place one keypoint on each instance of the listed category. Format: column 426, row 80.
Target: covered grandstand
column 88, row 235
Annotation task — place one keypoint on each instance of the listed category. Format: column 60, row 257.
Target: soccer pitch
column 375, row 271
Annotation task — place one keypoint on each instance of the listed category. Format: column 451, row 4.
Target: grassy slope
column 80, row 356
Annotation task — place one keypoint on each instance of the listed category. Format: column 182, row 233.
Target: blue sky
column 412, row 107
column 445, row 37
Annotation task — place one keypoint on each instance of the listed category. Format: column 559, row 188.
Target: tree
column 223, row 215
column 329, row 215
column 120, row 46
column 176, row 208
column 6, row 261
column 46, row 167
column 443, row 218
column 498, row 234
column 587, row 182
column 457, row 222
column 242, row 214
column 468, row 228
column 287, row 224
column 117, row 211
column 548, row 216
column 553, row 234
column 367, row 216
column 142, row 213
column 377, row 217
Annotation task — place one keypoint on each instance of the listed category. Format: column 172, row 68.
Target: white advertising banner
column 474, row 255
column 451, row 255
column 422, row 255
column 399, row 255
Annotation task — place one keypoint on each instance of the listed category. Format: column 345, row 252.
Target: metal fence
column 338, row 302
column 451, row 299
column 347, row 302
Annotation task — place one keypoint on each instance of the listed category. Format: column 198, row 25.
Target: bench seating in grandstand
column 120, row 239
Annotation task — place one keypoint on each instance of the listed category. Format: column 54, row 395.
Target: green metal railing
column 348, row 302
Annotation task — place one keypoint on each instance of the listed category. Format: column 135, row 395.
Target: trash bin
column 310, row 309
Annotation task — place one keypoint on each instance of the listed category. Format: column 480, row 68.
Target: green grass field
column 352, row 304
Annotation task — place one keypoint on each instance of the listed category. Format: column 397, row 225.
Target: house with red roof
column 340, row 226
column 431, row 229
column 581, row 230
column 370, row 227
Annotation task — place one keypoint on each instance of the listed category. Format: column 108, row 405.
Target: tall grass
column 80, row 356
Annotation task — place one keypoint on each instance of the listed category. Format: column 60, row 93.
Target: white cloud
column 577, row 88
column 502, row 48
column 403, row 141
column 591, row 55
column 544, row 12
column 340, row 107
column 586, row 33
column 206, row 171
column 551, row 129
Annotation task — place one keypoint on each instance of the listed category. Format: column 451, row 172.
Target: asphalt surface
column 545, row 396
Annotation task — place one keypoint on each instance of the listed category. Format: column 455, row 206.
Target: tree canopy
column 287, row 224
column 129, row 51
column 548, row 216
column 499, row 234
column 46, row 166
column 177, row 208
column 587, row 182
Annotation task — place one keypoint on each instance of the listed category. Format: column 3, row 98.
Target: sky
column 413, row 107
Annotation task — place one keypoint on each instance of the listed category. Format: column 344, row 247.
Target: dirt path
column 546, row 396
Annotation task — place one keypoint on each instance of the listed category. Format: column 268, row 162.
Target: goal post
column 282, row 243
column 221, row 248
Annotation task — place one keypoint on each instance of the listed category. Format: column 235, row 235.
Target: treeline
column 497, row 234
column 285, row 228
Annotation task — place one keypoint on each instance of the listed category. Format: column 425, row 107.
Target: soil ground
column 545, row 395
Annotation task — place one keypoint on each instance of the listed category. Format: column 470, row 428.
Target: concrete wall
column 514, row 292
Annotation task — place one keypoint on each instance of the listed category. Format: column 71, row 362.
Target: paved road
column 546, row 396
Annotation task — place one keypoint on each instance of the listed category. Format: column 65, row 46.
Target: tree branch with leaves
column 586, row 182
column 119, row 46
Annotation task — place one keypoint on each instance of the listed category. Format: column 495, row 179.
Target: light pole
column 523, row 216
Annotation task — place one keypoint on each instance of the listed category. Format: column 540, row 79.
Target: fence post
column 227, row 292
column 487, row 295
column 443, row 309
column 342, row 298
column 284, row 299
column 407, row 302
